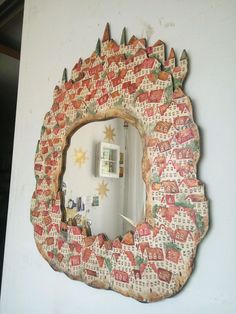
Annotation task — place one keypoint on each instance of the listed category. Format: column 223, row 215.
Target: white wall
column 55, row 34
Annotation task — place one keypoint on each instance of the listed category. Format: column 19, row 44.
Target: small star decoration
column 80, row 157
column 102, row 189
column 109, row 133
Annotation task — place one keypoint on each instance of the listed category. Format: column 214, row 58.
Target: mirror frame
column 138, row 84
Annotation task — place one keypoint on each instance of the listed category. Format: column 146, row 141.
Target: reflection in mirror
column 103, row 183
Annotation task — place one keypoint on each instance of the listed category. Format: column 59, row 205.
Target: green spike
column 184, row 55
column 64, row 76
column 123, row 37
column 37, row 148
column 98, row 47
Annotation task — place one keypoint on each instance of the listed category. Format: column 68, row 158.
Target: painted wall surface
column 55, row 35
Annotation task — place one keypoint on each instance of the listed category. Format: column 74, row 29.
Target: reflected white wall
column 134, row 187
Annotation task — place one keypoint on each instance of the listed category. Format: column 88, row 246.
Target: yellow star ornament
column 102, row 189
column 80, row 157
column 109, row 133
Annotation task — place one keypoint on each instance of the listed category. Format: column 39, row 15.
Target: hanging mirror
column 136, row 85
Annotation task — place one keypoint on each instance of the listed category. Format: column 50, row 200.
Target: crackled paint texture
column 144, row 87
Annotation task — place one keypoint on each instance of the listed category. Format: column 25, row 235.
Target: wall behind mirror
column 94, row 198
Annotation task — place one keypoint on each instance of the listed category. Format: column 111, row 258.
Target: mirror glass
column 103, row 178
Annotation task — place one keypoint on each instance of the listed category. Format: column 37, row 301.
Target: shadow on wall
column 7, row 123
column 11, row 19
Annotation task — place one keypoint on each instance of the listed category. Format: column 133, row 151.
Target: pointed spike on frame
column 64, row 76
column 37, row 148
column 184, row 55
column 159, row 43
column 123, row 40
column 143, row 41
column 172, row 54
column 128, row 220
column 80, row 61
column 132, row 40
column 55, row 91
column 106, row 34
column 56, row 88
column 98, row 47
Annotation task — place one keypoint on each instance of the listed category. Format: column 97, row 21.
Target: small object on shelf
column 121, row 173
column 107, row 160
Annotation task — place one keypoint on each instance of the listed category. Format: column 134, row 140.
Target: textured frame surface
column 142, row 86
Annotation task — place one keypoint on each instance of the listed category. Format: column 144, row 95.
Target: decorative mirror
column 122, row 94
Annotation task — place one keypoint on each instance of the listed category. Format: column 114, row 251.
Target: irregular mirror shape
column 142, row 86
column 101, row 201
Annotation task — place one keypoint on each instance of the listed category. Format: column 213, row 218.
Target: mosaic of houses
column 140, row 84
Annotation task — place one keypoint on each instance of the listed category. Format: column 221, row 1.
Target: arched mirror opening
column 102, row 185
